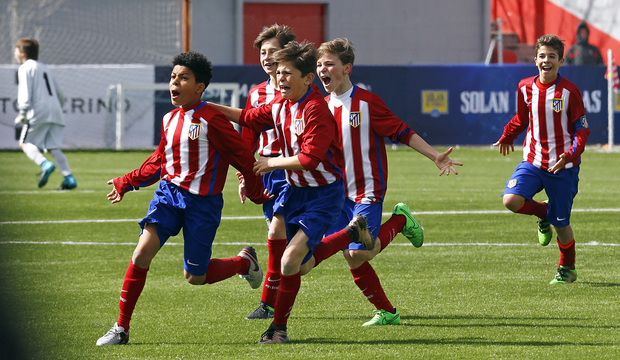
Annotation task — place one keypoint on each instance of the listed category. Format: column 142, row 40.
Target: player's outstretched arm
column 505, row 147
column 114, row 196
column 233, row 114
column 443, row 162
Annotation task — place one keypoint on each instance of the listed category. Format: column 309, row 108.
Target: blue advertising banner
column 450, row 104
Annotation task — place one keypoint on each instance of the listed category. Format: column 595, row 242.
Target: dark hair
column 342, row 47
column 283, row 33
column 198, row 64
column 303, row 55
column 28, row 46
column 551, row 41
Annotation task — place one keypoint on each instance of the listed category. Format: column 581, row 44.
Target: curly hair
column 198, row 64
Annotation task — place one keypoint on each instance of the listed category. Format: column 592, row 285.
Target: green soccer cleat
column 412, row 230
column 68, row 183
column 384, row 317
column 565, row 275
column 545, row 232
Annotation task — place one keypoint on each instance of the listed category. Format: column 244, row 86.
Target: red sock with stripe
column 367, row 280
column 272, row 275
column 330, row 245
column 567, row 254
column 531, row 207
column 391, row 228
column 133, row 284
column 289, row 287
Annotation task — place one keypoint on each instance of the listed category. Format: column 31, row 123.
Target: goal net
column 136, row 110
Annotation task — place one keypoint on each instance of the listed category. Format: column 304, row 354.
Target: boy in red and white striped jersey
column 551, row 108
column 191, row 164
column 266, row 144
column 313, row 162
column 363, row 123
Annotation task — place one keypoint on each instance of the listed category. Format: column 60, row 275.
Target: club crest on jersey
column 299, row 126
column 512, row 183
column 558, row 104
column 355, row 119
column 194, row 131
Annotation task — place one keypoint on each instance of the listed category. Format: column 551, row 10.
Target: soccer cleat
column 545, row 233
column 565, row 275
column 274, row 336
column 115, row 336
column 255, row 273
column 263, row 311
column 68, row 183
column 412, row 230
column 358, row 232
column 384, row 317
column 47, row 167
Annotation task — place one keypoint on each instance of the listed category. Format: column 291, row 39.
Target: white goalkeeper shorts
column 44, row 136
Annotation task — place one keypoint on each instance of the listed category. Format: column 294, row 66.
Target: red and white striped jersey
column 555, row 119
column 266, row 142
column 307, row 129
column 363, row 123
column 197, row 145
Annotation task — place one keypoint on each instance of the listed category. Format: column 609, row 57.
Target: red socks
column 272, row 275
column 221, row 269
column 567, row 254
column 133, row 284
column 531, row 207
column 330, row 245
column 391, row 228
column 367, row 280
column 289, row 287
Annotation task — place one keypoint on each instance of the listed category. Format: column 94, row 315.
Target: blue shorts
column 173, row 208
column 275, row 182
column 312, row 209
column 373, row 213
column 527, row 180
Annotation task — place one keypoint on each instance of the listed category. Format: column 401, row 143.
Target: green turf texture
column 478, row 288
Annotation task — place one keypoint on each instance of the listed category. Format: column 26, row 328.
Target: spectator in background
column 583, row 53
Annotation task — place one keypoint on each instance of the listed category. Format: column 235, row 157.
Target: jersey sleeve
column 386, row 124
column 518, row 123
column 258, row 119
column 580, row 127
column 233, row 150
column 147, row 174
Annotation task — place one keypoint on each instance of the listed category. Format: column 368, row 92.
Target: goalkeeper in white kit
column 40, row 122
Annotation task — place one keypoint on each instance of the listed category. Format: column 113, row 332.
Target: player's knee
column 512, row 202
column 194, row 280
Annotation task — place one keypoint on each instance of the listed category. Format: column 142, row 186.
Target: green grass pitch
column 478, row 288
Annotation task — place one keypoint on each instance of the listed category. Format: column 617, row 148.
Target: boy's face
column 548, row 63
column 184, row 90
column 20, row 57
column 267, row 49
column 292, row 84
column 333, row 73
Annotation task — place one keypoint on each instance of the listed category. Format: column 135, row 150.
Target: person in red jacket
column 551, row 108
column 191, row 163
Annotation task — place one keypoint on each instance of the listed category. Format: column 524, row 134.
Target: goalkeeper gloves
column 20, row 120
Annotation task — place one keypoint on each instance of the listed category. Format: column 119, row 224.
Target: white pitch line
column 455, row 212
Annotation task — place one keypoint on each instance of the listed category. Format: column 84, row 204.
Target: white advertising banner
column 90, row 108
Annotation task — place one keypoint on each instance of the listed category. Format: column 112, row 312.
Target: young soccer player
column 551, row 108
column 197, row 144
column 363, row 123
column 40, row 114
column 270, row 40
column 313, row 162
